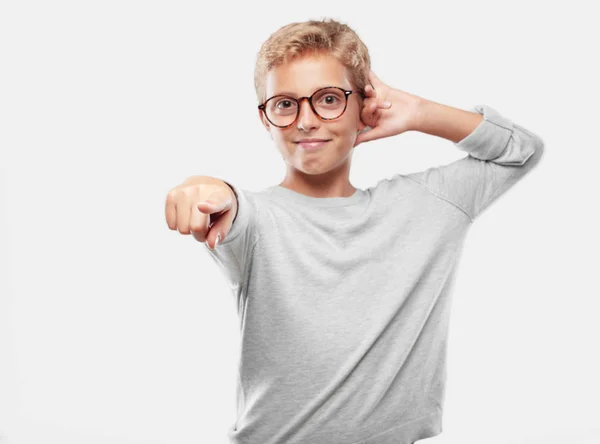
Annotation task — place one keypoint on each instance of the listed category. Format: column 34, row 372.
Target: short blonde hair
column 314, row 37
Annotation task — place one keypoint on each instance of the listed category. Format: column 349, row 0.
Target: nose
column 307, row 119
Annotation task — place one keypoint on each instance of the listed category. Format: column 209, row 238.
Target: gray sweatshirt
column 344, row 302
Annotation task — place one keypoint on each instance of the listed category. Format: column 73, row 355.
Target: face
column 300, row 78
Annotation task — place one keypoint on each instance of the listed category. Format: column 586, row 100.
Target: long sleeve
column 233, row 253
column 500, row 153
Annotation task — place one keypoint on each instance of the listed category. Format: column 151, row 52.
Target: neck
column 330, row 184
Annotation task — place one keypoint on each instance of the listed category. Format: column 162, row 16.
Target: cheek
column 285, row 146
column 346, row 137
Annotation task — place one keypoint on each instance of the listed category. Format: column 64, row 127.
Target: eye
column 285, row 103
column 330, row 96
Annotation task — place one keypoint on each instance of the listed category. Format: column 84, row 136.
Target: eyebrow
column 288, row 93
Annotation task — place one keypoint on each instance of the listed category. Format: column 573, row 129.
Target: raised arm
column 500, row 153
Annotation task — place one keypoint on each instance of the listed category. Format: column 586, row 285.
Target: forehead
column 303, row 76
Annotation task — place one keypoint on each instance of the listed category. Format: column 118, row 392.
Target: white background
column 116, row 330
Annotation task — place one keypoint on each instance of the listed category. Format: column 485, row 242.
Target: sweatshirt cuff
column 243, row 217
column 490, row 138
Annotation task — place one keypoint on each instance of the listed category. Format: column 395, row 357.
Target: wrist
column 421, row 109
column 234, row 201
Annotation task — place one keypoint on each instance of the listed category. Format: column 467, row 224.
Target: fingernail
column 217, row 240
column 387, row 104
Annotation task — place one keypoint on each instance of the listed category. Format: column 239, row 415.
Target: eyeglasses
column 327, row 103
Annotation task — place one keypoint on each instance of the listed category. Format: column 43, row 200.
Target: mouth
column 312, row 146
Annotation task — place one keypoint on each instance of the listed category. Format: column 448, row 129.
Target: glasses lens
column 329, row 104
column 281, row 110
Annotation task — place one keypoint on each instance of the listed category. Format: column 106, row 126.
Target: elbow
column 538, row 151
column 533, row 146
column 540, row 146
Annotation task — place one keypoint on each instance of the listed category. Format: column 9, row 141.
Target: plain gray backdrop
column 116, row 330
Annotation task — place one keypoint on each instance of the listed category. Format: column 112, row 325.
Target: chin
column 314, row 169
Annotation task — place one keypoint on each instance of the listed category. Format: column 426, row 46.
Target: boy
column 343, row 293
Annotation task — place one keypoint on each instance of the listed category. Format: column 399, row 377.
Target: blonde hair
column 314, row 37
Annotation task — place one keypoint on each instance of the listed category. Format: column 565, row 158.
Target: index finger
column 370, row 91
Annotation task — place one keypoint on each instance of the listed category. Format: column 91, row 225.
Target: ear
column 361, row 125
column 264, row 120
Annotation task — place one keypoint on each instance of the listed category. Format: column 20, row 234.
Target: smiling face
column 302, row 77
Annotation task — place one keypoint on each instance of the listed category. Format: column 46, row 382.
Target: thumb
column 372, row 134
column 214, row 204
column 375, row 81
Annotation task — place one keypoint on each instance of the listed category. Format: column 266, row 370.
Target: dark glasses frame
column 298, row 101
